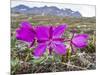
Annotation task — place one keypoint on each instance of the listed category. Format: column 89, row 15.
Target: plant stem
column 27, row 57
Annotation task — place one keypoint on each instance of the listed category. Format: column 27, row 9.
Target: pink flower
column 79, row 41
column 49, row 37
column 25, row 32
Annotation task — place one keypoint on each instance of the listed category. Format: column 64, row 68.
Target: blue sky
column 85, row 10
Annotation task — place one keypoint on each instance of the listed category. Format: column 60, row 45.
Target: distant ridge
column 45, row 10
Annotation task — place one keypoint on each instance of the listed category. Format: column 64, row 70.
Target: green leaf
column 14, row 62
column 39, row 60
column 13, row 42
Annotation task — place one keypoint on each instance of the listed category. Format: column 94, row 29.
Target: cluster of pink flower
column 49, row 37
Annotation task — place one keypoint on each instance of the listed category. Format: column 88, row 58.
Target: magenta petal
column 41, row 48
column 59, row 30
column 25, row 32
column 42, row 32
column 80, row 40
column 60, row 48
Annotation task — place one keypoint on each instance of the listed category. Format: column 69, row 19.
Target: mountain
column 45, row 10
